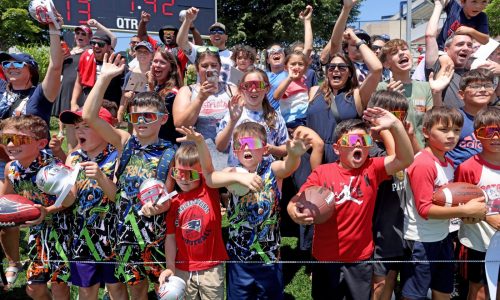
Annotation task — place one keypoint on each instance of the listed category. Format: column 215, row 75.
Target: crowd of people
column 242, row 138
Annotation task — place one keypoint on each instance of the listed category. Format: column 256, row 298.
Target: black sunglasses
column 342, row 67
column 98, row 43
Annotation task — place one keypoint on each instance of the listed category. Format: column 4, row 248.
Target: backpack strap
column 164, row 163
column 124, row 158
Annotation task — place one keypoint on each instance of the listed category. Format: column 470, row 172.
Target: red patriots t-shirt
column 347, row 235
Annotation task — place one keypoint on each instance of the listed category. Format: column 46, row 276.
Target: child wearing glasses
column 24, row 139
column 427, row 226
column 483, row 170
column 140, row 236
column 477, row 89
column 354, row 179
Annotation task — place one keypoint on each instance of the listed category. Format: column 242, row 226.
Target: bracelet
column 358, row 44
column 55, row 32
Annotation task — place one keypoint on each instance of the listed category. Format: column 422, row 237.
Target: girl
column 244, row 57
column 253, row 107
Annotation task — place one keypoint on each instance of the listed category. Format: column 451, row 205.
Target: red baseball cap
column 73, row 117
column 85, row 29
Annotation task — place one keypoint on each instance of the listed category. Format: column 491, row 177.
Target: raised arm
column 431, row 33
column 224, row 137
column 112, row 67
column 100, row 27
column 182, row 35
column 142, row 31
column 196, row 35
column 295, row 149
column 482, row 38
column 52, row 82
column 338, row 29
column 306, row 17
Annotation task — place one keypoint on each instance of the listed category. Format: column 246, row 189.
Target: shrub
column 41, row 54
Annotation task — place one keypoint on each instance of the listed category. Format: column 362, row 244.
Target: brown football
column 318, row 202
column 456, row 193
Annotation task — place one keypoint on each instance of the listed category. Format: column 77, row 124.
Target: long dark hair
column 351, row 83
column 173, row 77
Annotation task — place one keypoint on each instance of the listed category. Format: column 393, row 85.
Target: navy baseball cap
column 363, row 35
column 24, row 57
column 144, row 44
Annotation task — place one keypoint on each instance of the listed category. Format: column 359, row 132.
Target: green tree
column 17, row 27
column 262, row 22
column 493, row 12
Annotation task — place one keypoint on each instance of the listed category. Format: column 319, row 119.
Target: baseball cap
column 102, row 37
column 73, row 117
column 217, row 25
column 144, row 44
column 85, row 29
column 24, row 57
column 363, row 35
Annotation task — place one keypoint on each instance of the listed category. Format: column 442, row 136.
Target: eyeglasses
column 400, row 114
column 252, row 143
column 355, row 140
column 98, row 43
column 146, row 117
column 203, row 49
column 488, row 132
column 257, row 85
column 13, row 64
column 168, row 32
column 217, row 31
column 342, row 67
column 273, row 51
column 478, row 86
column 375, row 47
column 16, row 139
column 185, row 174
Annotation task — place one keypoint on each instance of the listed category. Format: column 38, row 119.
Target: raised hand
column 380, row 118
column 395, row 86
column 92, row 22
column 235, row 107
column 191, row 14
column 349, row 3
column 349, row 35
column 442, row 79
column 300, row 143
column 145, row 17
column 113, row 65
column 189, row 135
column 306, row 14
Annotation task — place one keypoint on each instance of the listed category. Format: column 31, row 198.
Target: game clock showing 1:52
column 125, row 15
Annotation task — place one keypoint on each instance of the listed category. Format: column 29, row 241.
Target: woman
column 204, row 104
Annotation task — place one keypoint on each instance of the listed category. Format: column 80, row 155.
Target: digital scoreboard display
column 125, row 15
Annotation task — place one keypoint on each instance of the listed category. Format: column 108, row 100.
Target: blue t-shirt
column 275, row 80
column 455, row 18
column 468, row 145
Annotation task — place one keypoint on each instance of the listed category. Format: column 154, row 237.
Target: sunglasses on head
column 252, row 143
column 211, row 49
column 400, row 114
column 342, row 67
column 355, row 140
column 273, row 51
column 98, row 43
column 16, row 139
column 185, row 174
column 257, row 85
column 13, row 64
column 217, row 31
column 146, row 117
column 488, row 132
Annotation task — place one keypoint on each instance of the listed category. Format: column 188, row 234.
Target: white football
column 173, row 289
column 236, row 188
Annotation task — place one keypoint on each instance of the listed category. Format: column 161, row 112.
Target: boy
column 140, row 237
column 94, row 215
column 354, row 179
column 426, row 230
column 24, row 139
column 466, row 17
column 477, row 89
column 483, row 170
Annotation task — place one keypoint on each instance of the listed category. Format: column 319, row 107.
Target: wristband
column 358, row 44
column 55, row 32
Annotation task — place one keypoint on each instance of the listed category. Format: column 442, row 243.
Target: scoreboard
column 124, row 15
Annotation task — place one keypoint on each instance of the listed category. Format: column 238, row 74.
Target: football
column 318, row 202
column 16, row 210
column 173, row 289
column 236, row 188
column 456, row 193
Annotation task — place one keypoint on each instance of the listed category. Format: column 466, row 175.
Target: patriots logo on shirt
column 192, row 225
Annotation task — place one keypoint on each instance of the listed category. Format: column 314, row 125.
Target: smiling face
column 472, row 8
column 26, row 152
column 399, row 60
column 81, row 38
column 296, row 65
column 352, row 157
column 100, row 48
column 169, row 37
column 143, row 55
column 254, row 95
column 20, row 78
column 160, row 67
column 243, row 61
column 184, row 183
column 89, row 140
column 478, row 94
column 218, row 38
column 460, row 50
column 338, row 75
column 276, row 57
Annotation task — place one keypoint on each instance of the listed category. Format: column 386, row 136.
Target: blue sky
column 374, row 9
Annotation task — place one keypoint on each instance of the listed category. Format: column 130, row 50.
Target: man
column 218, row 38
column 130, row 54
column 378, row 42
column 351, row 48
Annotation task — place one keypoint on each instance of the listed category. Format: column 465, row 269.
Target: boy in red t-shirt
column 427, row 226
column 354, row 179
column 483, row 170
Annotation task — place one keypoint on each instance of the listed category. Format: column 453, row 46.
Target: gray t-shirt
column 450, row 94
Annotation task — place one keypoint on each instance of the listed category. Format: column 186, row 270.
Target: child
column 354, row 179
column 477, row 89
column 426, row 230
column 465, row 17
column 254, row 234
column 140, row 238
column 253, row 106
column 24, row 138
column 483, row 170
column 94, row 215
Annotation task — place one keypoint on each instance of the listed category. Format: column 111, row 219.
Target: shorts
column 88, row 274
column 382, row 267
column 137, row 265
column 418, row 277
column 254, row 281
column 209, row 284
column 472, row 271
column 339, row 281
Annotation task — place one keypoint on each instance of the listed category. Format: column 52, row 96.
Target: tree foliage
column 493, row 12
column 261, row 22
column 16, row 26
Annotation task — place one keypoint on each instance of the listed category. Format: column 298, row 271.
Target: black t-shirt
column 114, row 90
column 450, row 94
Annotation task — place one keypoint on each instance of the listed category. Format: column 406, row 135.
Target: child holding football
column 354, row 179
column 426, row 230
column 483, row 170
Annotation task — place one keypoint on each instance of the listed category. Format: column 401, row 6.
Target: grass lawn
column 297, row 282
